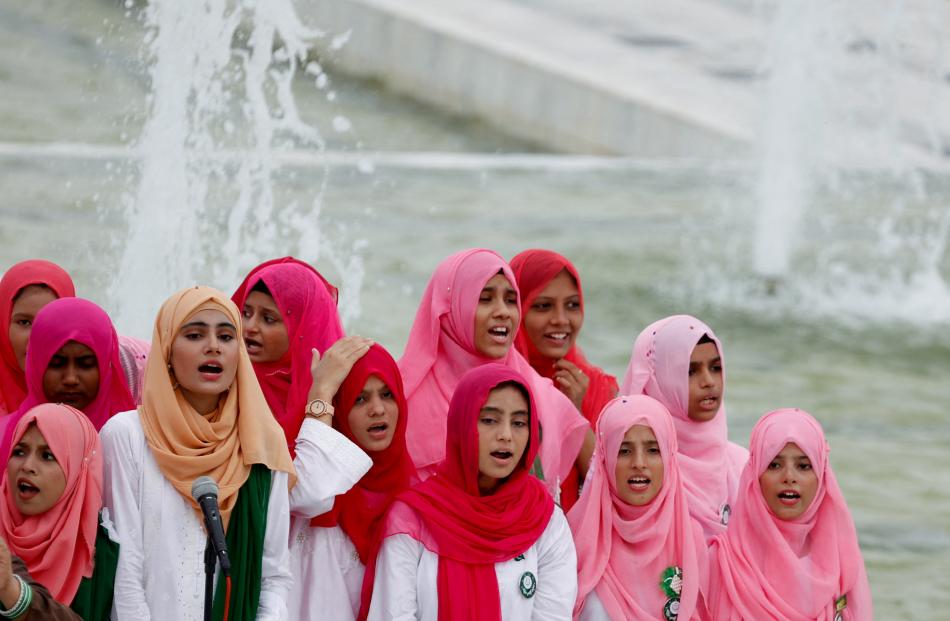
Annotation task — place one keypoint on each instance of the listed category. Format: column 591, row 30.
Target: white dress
column 593, row 609
column 160, row 574
column 406, row 573
column 327, row 571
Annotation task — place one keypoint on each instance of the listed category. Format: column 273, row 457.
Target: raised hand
column 571, row 381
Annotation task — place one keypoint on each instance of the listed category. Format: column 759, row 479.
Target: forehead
column 498, row 281
column 210, row 316
column 33, row 436
column 639, row 434
column 791, row 451
column 259, row 298
column 562, row 285
column 704, row 351
column 374, row 383
column 75, row 349
column 506, row 398
column 32, row 298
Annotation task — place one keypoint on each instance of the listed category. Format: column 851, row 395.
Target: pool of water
column 857, row 334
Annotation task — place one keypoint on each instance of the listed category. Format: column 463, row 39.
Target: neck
column 203, row 404
column 487, row 485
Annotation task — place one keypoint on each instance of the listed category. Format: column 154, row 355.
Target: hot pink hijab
column 470, row 532
column 307, row 303
column 622, row 550
column 767, row 568
column 441, row 348
column 74, row 319
column 709, row 463
column 21, row 275
column 58, row 545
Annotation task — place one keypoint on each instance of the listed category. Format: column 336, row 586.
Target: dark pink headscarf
column 709, row 463
column 767, row 568
column 623, row 550
column 441, row 348
column 307, row 304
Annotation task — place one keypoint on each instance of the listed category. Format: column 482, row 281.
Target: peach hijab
column 223, row 444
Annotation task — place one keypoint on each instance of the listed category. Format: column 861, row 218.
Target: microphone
column 205, row 492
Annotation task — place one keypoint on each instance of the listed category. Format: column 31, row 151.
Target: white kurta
column 160, row 574
column 406, row 574
column 593, row 609
column 327, row 571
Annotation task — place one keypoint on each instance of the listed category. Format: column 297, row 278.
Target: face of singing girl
column 265, row 333
column 204, row 358
column 503, row 432
column 496, row 317
column 554, row 319
column 639, row 470
column 374, row 415
column 789, row 483
column 705, row 382
column 26, row 305
column 34, row 476
column 72, row 376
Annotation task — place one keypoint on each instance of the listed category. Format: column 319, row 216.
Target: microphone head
column 204, row 486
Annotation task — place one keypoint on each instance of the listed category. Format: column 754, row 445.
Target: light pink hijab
column 767, row 568
column 709, row 463
column 622, row 550
column 441, row 348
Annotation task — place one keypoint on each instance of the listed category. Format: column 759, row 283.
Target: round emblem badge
column 724, row 514
column 520, row 557
column 528, row 585
column 671, row 609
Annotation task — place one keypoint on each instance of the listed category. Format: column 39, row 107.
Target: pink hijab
column 58, row 545
column 307, row 303
column 709, row 463
column 441, row 348
column 622, row 550
column 767, row 568
column 74, row 319
column 18, row 277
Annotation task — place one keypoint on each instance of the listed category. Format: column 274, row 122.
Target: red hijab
column 18, row 277
column 359, row 511
column 82, row 321
column 307, row 303
column 468, row 531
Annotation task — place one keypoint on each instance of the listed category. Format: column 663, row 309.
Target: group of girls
column 493, row 472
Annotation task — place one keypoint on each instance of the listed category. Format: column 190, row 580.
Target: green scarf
column 93, row 600
column 245, row 539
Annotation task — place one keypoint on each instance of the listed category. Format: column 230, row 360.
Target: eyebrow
column 711, row 360
column 204, row 324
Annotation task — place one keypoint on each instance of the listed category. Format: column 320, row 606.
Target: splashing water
column 221, row 106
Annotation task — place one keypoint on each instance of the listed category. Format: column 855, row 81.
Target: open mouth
column 557, row 337
column 378, row 429
column 26, row 489
column 709, row 402
column 789, row 497
column 499, row 334
column 252, row 345
column 501, row 455
column 639, row 483
column 70, row 398
column 210, row 368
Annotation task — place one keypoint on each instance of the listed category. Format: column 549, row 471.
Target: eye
column 805, row 465
column 653, row 450
column 270, row 319
column 227, row 337
column 192, row 336
column 486, row 420
column 17, row 452
column 519, row 423
column 387, row 394
column 56, row 362
column 511, row 298
column 246, row 313
column 691, row 372
column 360, row 399
column 88, row 362
column 717, row 368
column 573, row 305
column 775, row 466
column 48, row 456
column 541, row 306
column 24, row 323
column 624, row 451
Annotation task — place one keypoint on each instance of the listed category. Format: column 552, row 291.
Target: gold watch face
column 317, row 407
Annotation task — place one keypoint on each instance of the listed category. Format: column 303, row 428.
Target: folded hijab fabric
column 708, row 462
column 804, row 569
column 82, row 321
column 307, row 304
column 58, row 546
column 624, row 552
column 223, row 444
column 534, row 270
column 360, row 511
column 441, row 348
column 470, row 532
column 21, row 275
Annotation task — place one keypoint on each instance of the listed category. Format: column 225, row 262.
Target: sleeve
column 396, row 586
column 276, row 579
column 327, row 464
column 557, row 571
column 43, row 605
column 121, row 495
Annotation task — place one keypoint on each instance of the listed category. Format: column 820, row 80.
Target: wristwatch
column 318, row 407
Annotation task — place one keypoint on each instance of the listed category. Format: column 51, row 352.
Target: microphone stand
column 211, row 562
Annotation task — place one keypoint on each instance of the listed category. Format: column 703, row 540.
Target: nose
column 70, row 377
column 376, row 406
column 500, row 309
column 706, row 377
column 788, row 473
column 560, row 316
column 214, row 343
column 29, row 463
column 504, row 430
column 250, row 324
column 639, row 459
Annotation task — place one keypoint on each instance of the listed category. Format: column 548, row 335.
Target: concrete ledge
column 538, row 77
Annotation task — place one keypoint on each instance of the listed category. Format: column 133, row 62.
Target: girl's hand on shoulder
column 571, row 381
column 329, row 370
column 9, row 586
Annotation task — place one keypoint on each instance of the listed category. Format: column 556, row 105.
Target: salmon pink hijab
column 767, row 568
column 360, row 511
column 623, row 550
column 307, row 303
column 708, row 462
column 21, row 275
column 470, row 532
column 82, row 321
column 441, row 348
column 58, row 545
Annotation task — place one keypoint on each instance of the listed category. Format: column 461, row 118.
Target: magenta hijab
column 623, row 550
column 767, row 568
column 57, row 323
column 307, row 304
column 441, row 348
column 709, row 463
